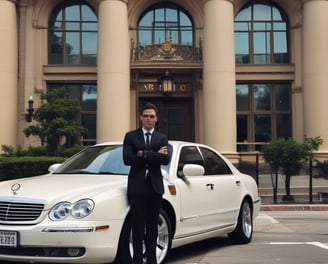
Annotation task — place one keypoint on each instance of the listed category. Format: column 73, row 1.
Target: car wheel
column 164, row 240
column 244, row 230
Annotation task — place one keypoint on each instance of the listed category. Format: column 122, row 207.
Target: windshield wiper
column 111, row 173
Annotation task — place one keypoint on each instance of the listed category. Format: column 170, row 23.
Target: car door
column 225, row 185
column 198, row 200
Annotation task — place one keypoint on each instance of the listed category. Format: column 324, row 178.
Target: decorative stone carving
column 167, row 52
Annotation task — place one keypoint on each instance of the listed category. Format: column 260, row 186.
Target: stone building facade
column 227, row 73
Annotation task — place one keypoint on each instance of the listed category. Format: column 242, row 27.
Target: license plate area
column 8, row 239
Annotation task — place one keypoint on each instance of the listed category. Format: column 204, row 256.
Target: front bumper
column 92, row 242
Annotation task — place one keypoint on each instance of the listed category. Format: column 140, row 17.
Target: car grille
column 11, row 211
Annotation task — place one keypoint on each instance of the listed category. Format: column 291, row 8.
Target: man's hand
column 164, row 150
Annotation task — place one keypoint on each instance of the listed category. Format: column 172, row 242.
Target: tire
column 164, row 241
column 244, row 230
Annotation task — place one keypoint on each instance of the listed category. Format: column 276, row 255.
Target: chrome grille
column 19, row 211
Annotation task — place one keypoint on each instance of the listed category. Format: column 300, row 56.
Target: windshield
column 103, row 159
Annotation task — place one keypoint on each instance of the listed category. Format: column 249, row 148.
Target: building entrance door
column 175, row 117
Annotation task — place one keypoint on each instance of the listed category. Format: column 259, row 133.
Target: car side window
column 214, row 164
column 189, row 155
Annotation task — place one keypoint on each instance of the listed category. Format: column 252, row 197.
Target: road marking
column 317, row 244
column 266, row 219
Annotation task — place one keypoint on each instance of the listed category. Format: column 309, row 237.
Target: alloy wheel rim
column 247, row 219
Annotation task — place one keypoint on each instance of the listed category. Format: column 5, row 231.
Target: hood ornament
column 15, row 187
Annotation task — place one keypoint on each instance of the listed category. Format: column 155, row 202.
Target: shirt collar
column 144, row 131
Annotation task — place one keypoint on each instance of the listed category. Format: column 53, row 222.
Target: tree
column 288, row 156
column 55, row 119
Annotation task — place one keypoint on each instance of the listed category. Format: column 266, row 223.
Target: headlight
column 82, row 208
column 78, row 210
column 60, row 211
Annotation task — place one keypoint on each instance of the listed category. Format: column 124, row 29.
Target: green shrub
column 288, row 156
column 9, row 151
column 20, row 167
column 68, row 152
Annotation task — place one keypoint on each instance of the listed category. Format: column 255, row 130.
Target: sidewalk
column 294, row 207
column 299, row 190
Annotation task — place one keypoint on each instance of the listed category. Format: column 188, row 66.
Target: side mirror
column 53, row 167
column 193, row 170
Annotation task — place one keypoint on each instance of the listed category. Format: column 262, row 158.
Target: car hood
column 63, row 187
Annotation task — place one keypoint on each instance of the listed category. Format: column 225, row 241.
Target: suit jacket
column 138, row 183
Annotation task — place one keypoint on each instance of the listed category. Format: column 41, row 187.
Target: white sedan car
column 78, row 213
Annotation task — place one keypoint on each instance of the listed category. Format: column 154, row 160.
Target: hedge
column 20, row 167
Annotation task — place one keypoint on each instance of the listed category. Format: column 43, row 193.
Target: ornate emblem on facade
column 167, row 46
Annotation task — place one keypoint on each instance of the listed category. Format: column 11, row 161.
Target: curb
column 294, row 207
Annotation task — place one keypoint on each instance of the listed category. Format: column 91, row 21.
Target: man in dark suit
column 145, row 150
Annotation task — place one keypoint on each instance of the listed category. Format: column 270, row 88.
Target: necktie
column 147, row 139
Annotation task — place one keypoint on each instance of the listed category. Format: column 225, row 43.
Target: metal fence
column 310, row 186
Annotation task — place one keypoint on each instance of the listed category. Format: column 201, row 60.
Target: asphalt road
column 280, row 237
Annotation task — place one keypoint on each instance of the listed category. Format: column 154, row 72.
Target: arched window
column 73, row 32
column 165, row 21
column 261, row 35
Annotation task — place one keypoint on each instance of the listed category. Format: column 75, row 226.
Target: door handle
column 237, row 183
column 210, row 186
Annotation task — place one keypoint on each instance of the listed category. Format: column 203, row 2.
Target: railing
column 311, row 186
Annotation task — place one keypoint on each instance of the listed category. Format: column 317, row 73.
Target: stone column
column 219, row 85
column 315, row 70
column 8, row 73
column 113, row 96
